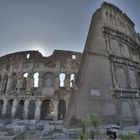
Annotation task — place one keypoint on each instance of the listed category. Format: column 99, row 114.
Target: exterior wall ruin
column 31, row 87
column 108, row 80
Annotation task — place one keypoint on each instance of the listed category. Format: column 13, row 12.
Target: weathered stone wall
column 109, row 75
column 36, row 87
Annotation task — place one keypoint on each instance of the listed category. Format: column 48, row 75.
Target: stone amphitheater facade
column 33, row 87
column 108, row 80
column 107, row 74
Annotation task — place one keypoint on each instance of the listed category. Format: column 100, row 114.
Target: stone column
column 14, row 107
column 113, row 76
column 40, row 80
column 67, row 81
column 9, row 83
column 38, row 109
column 57, row 81
column 4, row 107
column 67, row 102
column 137, row 78
column 29, row 83
column 19, row 82
column 0, row 84
column 26, row 105
column 3, row 83
column 128, row 79
column 55, row 110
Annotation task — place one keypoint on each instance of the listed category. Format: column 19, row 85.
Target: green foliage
column 83, row 136
column 19, row 138
column 91, row 121
column 129, row 136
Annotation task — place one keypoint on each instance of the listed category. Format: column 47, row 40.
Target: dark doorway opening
column 31, row 110
column 61, row 109
column 19, row 110
column 46, row 110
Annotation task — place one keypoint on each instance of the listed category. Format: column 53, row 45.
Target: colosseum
column 104, row 79
column 33, row 87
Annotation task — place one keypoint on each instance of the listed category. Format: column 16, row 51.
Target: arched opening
column 72, row 77
column 48, row 80
column 28, row 56
column 137, row 106
column 24, row 82
column 73, row 56
column 126, row 111
column 120, row 77
column 61, row 109
column 134, row 54
column 62, row 77
column 36, row 79
column 19, row 110
column 5, row 81
column 125, row 51
column 13, row 81
column 9, row 108
column 31, row 110
column 1, row 107
column 47, row 110
column 133, row 82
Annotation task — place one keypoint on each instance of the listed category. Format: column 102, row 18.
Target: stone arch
column 31, row 110
column 133, row 82
column 19, row 110
column 120, row 77
column 126, row 110
column 125, row 50
column 1, row 107
column 134, row 54
column 62, row 77
column 61, row 109
column 46, row 110
column 5, row 82
column 13, row 81
column 137, row 109
column 24, row 81
column 9, row 108
column 48, row 80
column 36, row 79
column 27, row 55
column 115, row 47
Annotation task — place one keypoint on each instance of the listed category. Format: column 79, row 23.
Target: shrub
column 129, row 136
column 91, row 121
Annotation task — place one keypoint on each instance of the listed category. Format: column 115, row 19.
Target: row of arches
column 124, row 77
column 48, row 80
column 46, row 110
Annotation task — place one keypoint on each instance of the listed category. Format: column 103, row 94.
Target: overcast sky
column 52, row 24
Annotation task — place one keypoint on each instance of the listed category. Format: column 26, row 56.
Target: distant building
column 108, row 80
